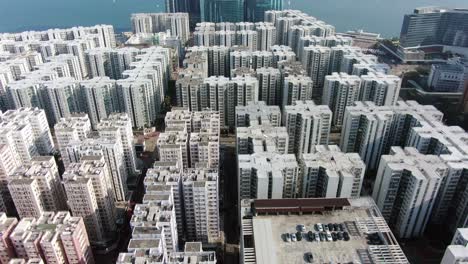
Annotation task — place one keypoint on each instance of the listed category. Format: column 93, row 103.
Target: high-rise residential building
column 176, row 23
column 267, row 175
column 204, row 149
column 296, row 88
column 258, row 113
column 330, row 41
column 262, row 138
column 380, row 88
column 112, row 150
column 173, row 146
column 144, row 88
column 8, row 165
column 247, row 38
column 100, row 95
column 20, row 138
column 75, row 128
column 201, row 204
column 307, row 125
column 330, row 173
column 52, row 237
column 255, row 10
column 36, row 188
column 457, row 251
column 193, row 121
column 38, row 122
column 120, row 125
column 371, row 130
column 7, row 225
column 73, row 64
column 190, row 93
column 222, row 10
column 266, row 35
column 406, row 189
column 269, row 81
column 137, row 101
column 169, row 173
column 340, row 91
column 110, row 62
column 225, row 94
column 193, row 252
column 316, row 61
column 157, row 210
column 89, row 195
column 61, row 98
column 428, row 26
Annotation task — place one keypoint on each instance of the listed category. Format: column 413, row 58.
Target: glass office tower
column 222, row 10
column 255, row 9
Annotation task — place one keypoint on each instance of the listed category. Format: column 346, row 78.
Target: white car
column 320, row 227
column 288, row 237
column 329, row 237
column 293, row 237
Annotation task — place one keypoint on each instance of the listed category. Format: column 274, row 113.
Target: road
column 228, row 189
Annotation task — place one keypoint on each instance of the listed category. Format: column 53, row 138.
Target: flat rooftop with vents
column 264, row 223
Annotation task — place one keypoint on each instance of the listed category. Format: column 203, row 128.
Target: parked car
column 334, row 237
column 319, row 227
column 311, row 236
column 288, row 237
column 330, row 227
column 293, row 237
column 329, row 237
column 335, row 227
column 299, row 236
column 301, row 228
column 309, row 257
column 342, row 227
column 322, row 238
column 345, row 236
column 340, row 235
column 325, row 228
column 317, row 237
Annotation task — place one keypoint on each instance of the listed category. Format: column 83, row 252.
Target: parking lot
column 339, row 251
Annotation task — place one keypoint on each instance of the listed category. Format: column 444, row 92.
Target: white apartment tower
column 89, row 195
column 330, row 173
column 72, row 129
column 269, row 81
column 258, row 113
column 371, row 130
column 173, row 146
column 340, row 91
column 36, row 188
column 316, row 61
column 307, row 125
column 8, row 165
column 380, row 88
column 101, row 98
column 37, row 120
column 200, row 189
column 262, row 138
column 112, row 150
column 120, row 125
column 267, row 175
column 406, row 189
column 7, row 224
column 296, row 88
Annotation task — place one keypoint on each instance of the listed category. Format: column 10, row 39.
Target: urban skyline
column 188, row 141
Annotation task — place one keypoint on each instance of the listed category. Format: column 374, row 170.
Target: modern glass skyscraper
column 186, row 6
column 222, row 10
column 435, row 26
column 255, row 9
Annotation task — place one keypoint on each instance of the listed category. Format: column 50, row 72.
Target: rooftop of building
column 264, row 232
